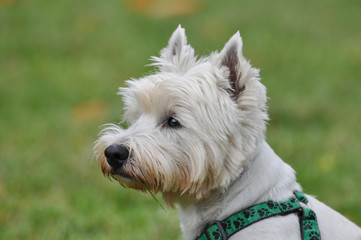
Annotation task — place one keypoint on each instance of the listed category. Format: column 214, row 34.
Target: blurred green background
column 62, row 61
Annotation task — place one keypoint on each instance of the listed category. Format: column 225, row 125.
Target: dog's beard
column 176, row 171
column 146, row 178
column 130, row 176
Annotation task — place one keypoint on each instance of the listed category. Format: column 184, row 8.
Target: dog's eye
column 173, row 123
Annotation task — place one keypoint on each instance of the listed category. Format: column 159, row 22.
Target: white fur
column 217, row 162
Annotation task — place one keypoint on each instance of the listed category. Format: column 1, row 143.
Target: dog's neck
column 265, row 177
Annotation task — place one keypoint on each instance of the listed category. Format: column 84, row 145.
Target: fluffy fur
column 215, row 161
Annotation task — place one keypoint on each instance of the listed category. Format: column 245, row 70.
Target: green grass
column 62, row 61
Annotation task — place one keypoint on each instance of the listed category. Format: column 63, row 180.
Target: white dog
column 197, row 136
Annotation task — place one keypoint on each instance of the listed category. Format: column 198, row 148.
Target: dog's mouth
column 123, row 174
column 128, row 173
column 131, row 175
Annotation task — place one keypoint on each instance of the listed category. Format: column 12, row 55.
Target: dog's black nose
column 116, row 155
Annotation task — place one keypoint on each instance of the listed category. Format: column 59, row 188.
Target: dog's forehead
column 162, row 90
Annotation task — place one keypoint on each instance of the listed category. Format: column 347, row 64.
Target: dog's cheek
column 199, row 172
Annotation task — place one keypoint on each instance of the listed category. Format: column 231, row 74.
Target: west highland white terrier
column 197, row 136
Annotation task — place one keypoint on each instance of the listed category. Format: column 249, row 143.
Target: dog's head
column 193, row 124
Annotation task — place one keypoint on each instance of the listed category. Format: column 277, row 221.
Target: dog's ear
column 178, row 55
column 177, row 41
column 232, row 58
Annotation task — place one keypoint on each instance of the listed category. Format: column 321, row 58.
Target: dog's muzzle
column 116, row 155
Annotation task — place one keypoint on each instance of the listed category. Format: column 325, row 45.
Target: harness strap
column 222, row 230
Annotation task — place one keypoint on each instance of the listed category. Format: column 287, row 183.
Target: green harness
column 222, row 230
